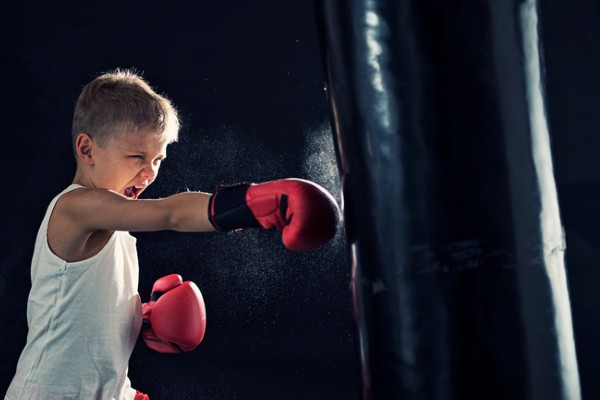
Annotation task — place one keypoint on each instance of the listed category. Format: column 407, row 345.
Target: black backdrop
column 247, row 79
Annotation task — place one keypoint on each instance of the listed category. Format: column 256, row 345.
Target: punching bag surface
column 449, row 199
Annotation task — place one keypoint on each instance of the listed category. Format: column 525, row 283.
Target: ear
column 84, row 145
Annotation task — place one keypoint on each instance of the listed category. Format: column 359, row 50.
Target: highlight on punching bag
column 449, row 198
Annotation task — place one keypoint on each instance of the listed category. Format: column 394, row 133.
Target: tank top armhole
column 46, row 245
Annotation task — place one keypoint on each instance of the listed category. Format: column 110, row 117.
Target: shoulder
column 82, row 222
column 84, row 198
column 79, row 208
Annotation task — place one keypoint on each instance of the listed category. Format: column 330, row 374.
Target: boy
column 84, row 312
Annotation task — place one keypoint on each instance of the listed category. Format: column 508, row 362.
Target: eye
column 136, row 156
column 158, row 161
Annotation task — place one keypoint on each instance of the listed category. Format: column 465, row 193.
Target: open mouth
column 132, row 192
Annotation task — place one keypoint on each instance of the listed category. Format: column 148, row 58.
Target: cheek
column 123, row 170
column 155, row 172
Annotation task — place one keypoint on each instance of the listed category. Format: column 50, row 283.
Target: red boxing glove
column 174, row 320
column 305, row 212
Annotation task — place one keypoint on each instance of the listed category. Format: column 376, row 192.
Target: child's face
column 129, row 163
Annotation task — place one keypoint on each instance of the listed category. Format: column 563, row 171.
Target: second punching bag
column 449, row 199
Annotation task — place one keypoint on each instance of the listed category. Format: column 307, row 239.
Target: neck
column 81, row 179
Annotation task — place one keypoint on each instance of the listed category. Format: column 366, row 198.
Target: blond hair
column 121, row 101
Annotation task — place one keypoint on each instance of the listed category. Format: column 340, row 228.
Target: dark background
column 247, row 79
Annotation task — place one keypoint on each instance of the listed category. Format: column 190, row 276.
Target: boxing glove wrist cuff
column 228, row 210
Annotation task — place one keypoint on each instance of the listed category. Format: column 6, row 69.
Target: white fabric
column 84, row 318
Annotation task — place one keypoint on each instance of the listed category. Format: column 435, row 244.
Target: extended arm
column 98, row 209
column 304, row 212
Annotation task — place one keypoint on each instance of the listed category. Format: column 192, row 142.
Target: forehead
column 147, row 142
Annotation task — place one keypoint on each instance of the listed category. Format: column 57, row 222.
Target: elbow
column 175, row 221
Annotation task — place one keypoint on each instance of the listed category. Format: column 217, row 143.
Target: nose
column 150, row 171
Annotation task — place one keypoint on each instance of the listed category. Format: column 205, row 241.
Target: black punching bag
column 449, row 198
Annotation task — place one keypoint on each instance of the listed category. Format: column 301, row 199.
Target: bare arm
column 103, row 210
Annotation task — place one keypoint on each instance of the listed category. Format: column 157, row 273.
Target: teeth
column 139, row 187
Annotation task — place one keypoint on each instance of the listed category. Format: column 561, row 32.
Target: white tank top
column 84, row 318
